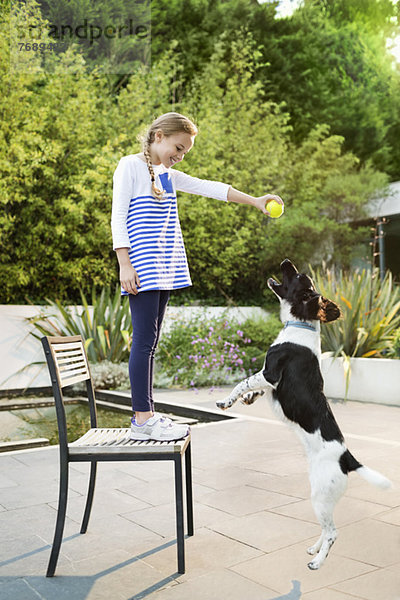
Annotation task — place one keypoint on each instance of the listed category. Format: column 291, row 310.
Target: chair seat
column 100, row 440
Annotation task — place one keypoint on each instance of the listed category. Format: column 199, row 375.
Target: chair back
column 68, row 364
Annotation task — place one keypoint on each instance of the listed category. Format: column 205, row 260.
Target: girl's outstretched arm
column 259, row 202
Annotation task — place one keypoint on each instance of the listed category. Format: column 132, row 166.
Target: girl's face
column 170, row 149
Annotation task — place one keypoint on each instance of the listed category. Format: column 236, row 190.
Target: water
column 41, row 422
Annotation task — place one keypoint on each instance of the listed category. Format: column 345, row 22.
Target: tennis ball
column 274, row 208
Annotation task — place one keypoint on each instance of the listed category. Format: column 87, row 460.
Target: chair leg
column 189, row 492
column 62, row 507
column 180, row 534
column 89, row 501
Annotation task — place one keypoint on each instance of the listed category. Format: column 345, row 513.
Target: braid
column 146, row 151
column 169, row 124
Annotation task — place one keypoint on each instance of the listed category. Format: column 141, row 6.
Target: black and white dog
column 291, row 376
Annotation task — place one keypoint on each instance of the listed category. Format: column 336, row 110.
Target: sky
column 285, row 8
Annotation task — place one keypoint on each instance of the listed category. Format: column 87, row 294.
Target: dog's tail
column 348, row 463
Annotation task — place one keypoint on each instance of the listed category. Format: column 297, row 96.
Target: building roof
column 388, row 205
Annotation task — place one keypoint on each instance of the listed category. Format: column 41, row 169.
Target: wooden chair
column 68, row 364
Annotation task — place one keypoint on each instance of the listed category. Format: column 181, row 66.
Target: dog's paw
column 224, row 404
column 250, row 397
column 314, row 565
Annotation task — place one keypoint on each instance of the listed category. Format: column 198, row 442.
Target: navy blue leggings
column 147, row 312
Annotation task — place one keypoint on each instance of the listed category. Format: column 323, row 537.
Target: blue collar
column 300, row 324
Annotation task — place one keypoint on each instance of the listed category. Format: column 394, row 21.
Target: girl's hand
column 262, row 201
column 129, row 279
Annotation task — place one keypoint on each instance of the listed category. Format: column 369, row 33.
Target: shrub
column 105, row 326
column 213, row 351
column 396, row 344
column 370, row 312
column 107, row 375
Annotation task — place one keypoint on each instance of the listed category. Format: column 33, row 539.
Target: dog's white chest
column 301, row 337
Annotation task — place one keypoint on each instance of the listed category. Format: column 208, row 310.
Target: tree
column 329, row 64
column 64, row 133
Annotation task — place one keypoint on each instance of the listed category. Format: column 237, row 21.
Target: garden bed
column 374, row 380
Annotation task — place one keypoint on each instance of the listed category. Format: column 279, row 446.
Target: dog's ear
column 328, row 310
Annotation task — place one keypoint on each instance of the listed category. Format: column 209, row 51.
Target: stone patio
column 253, row 518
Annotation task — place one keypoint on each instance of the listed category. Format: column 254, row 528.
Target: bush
column 213, row 351
column 370, row 312
column 105, row 326
column 396, row 344
column 107, row 375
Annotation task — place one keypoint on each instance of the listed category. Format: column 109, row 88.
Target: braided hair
column 169, row 123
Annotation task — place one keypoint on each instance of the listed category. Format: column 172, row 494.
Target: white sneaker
column 158, row 428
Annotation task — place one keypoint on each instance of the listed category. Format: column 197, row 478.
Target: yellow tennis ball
column 274, row 208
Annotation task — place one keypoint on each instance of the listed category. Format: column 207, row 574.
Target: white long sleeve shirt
column 149, row 227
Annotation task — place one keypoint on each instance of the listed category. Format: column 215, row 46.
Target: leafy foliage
column 396, row 344
column 212, row 351
column 370, row 312
column 105, row 325
column 64, row 132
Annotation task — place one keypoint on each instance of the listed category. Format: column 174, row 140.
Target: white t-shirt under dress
column 149, row 227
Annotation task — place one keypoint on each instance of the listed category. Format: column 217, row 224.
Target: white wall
column 18, row 348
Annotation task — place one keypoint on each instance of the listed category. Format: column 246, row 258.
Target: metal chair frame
column 68, row 364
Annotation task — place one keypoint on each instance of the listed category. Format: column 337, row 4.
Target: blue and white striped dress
column 149, row 227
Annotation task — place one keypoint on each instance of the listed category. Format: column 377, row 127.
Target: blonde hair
column 169, row 123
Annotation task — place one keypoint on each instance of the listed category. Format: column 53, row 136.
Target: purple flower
column 178, row 357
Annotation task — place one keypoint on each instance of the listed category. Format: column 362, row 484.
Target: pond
column 41, row 421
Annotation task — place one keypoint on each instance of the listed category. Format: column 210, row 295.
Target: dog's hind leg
column 329, row 534
column 325, row 496
column 244, row 389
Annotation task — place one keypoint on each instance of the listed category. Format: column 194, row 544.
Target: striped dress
column 149, row 227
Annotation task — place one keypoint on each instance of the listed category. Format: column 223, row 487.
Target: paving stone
column 129, row 551
column 106, row 502
column 113, row 534
column 348, row 510
column 267, row 531
column 383, row 584
column 371, row 541
column 21, row 497
column 104, row 577
column 159, row 519
column 40, row 457
column 295, row 485
column 6, row 482
column 278, row 569
column 206, row 552
column 218, row 585
column 245, row 500
column 28, row 556
column 39, row 519
column 163, row 492
column 8, row 462
column 106, row 479
column 329, row 594
column 390, row 516
column 16, row 588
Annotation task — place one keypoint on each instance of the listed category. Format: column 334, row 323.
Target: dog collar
column 300, row 324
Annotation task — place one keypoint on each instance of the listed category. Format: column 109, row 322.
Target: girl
column 148, row 241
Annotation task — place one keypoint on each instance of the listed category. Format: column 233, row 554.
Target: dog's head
column 298, row 293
